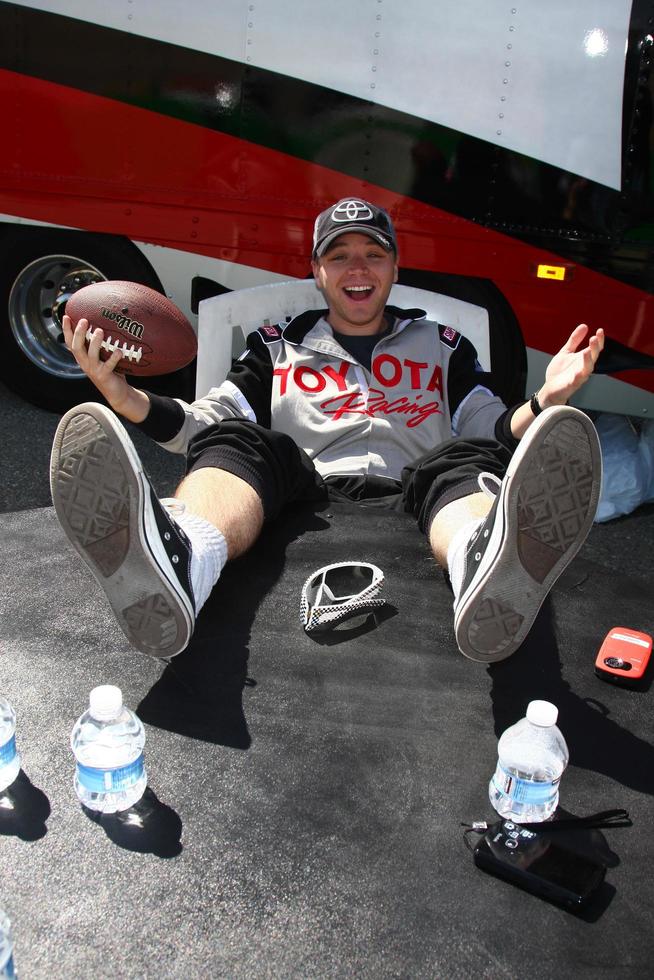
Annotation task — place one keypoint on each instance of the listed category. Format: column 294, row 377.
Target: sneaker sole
column 547, row 505
column 100, row 495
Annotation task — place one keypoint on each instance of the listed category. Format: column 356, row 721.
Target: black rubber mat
column 303, row 816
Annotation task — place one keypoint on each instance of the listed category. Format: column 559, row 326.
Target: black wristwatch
column 535, row 405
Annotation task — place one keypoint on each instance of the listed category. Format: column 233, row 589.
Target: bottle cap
column 542, row 713
column 105, row 702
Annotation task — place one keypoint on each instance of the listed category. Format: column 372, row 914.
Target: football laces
column 129, row 351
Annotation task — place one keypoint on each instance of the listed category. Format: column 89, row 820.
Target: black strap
column 534, row 404
column 605, row 818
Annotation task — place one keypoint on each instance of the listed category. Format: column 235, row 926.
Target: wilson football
column 153, row 334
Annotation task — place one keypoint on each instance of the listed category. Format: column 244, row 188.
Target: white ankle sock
column 208, row 549
column 456, row 554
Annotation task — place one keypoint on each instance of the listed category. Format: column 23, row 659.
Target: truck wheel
column 40, row 268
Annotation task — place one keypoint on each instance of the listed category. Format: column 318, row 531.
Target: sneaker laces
column 490, row 485
column 491, row 492
column 208, row 548
column 174, row 508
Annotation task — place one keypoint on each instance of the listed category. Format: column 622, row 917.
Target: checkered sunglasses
column 339, row 592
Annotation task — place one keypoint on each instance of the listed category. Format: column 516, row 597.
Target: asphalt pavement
column 25, row 459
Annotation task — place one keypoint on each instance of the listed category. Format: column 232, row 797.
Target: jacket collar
column 298, row 328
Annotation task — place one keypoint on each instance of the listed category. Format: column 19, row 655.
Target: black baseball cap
column 353, row 214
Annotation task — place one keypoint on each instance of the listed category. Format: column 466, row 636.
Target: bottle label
column 523, row 790
column 8, row 752
column 110, row 780
column 8, row 970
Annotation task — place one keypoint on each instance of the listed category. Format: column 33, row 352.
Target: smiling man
column 359, row 400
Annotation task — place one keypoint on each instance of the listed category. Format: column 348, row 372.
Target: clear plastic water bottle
column 7, row 970
column 532, row 755
column 108, row 741
column 9, row 757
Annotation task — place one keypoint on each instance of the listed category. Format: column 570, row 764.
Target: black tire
column 507, row 347
column 39, row 269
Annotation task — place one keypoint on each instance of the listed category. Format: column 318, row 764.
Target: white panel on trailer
column 544, row 79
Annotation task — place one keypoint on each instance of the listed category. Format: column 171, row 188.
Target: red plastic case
column 623, row 656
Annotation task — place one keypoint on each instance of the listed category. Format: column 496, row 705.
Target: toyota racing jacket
column 424, row 386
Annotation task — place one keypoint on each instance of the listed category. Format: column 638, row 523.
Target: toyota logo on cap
column 351, row 211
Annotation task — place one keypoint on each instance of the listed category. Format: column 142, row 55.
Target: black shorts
column 281, row 473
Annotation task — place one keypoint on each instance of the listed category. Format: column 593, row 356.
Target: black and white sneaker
column 109, row 511
column 543, row 511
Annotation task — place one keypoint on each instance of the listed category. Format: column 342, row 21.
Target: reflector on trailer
column 551, row 271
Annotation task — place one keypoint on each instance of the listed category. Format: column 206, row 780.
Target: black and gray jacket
column 423, row 387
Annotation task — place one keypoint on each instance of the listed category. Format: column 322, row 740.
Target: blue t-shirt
column 360, row 346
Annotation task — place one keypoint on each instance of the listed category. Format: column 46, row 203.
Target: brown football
column 153, row 334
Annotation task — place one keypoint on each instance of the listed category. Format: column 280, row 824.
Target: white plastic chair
column 225, row 321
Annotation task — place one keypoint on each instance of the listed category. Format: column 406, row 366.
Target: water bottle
column 9, row 757
column 7, row 971
column 108, row 741
column 532, row 755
